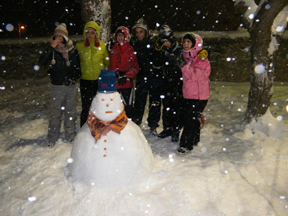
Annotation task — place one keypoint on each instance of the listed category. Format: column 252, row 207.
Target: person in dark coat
column 166, row 54
column 64, row 71
column 146, row 81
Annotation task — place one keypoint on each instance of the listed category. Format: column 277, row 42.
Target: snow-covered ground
column 233, row 170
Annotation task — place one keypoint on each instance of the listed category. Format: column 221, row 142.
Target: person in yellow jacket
column 93, row 57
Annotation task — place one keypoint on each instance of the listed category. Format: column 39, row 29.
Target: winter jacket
column 196, row 72
column 123, row 59
column 144, row 50
column 166, row 61
column 93, row 57
column 60, row 73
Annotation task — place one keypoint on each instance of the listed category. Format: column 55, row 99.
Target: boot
column 175, row 136
column 183, row 151
column 165, row 133
column 153, row 131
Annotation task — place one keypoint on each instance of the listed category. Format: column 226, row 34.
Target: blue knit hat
column 107, row 81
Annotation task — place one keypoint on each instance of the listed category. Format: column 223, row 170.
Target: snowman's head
column 107, row 106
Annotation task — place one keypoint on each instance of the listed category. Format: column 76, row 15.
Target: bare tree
column 100, row 12
column 262, row 71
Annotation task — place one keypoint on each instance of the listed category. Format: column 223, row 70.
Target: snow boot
column 153, row 131
column 165, row 133
column 175, row 136
column 183, row 151
column 49, row 144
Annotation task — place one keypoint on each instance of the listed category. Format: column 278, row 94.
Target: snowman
column 109, row 151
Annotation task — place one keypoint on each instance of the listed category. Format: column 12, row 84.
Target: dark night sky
column 40, row 16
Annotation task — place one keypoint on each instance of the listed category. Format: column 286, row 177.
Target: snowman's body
column 115, row 160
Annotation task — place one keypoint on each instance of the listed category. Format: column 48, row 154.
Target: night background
column 39, row 17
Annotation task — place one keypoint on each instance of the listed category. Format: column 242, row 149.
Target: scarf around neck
column 64, row 49
column 98, row 127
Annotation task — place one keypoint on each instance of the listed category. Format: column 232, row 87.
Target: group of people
column 173, row 75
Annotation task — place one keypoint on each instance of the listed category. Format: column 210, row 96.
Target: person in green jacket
column 93, row 57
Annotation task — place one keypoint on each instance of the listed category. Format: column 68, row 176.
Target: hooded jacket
column 93, row 56
column 196, row 72
column 123, row 58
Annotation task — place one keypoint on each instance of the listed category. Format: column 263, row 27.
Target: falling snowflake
column 260, row 69
column 251, row 16
column 31, row 199
column 36, row 67
column 9, row 27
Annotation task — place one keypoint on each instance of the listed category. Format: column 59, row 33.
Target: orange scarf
column 99, row 127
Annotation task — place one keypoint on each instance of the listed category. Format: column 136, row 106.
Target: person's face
column 90, row 35
column 187, row 44
column 140, row 33
column 59, row 38
column 120, row 37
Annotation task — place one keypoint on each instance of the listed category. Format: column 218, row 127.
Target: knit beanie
column 190, row 37
column 141, row 23
column 165, row 32
column 61, row 29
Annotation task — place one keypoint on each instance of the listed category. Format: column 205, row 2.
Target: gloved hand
column 122, row 80
column 110, row 44
column 120, row 74
column 202, row 54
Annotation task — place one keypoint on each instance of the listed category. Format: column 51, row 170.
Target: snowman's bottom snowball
column 115, row 161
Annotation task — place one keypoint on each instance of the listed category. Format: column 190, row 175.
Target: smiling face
column 140, row 33
column 120, row 37
column 107, row 106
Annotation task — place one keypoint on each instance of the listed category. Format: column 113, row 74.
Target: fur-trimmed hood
column 192, row 53
column 124, row 30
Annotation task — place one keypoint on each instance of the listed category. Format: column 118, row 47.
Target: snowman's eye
column 111, row 99
column 102, row 99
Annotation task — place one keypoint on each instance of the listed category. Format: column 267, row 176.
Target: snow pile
column 231, row 172
column 268, row 125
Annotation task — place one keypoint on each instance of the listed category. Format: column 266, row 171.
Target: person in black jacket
column 64, row 70
column 146, row 80
column 166, row 54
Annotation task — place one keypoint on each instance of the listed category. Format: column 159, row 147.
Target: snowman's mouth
column 109, row 111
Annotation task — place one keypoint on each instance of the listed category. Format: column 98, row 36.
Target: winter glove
column 122, row 81
column 121, row 74
column 203, row 54
column 109, row 45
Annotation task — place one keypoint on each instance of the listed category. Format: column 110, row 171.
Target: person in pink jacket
column 196, row 90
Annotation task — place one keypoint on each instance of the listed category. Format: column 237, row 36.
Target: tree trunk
column 100, row 12
column 261, row 89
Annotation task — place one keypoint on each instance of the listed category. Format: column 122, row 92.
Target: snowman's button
column 105, row 149
column 104, row 155
column 105, row 140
